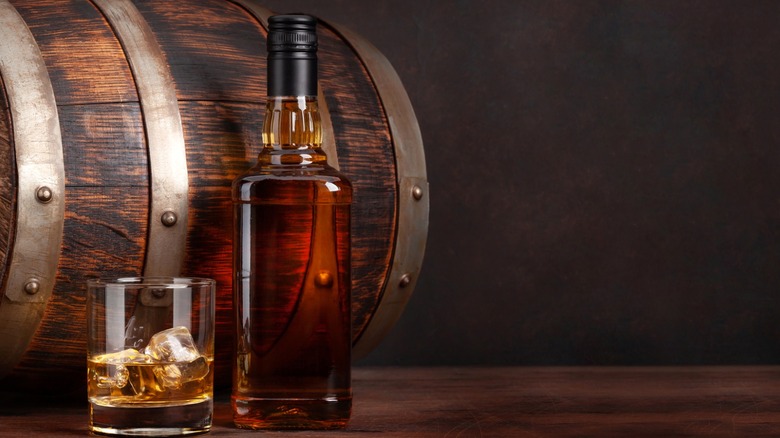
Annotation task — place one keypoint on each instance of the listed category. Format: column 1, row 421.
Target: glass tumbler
column 150, row 355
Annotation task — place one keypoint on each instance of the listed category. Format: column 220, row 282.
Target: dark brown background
column 604, row 178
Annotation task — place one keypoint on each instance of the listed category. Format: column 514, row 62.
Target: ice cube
column 182, row 361
column 117, row 378
column 176, row 374
column 172, row 345
column 118, row 375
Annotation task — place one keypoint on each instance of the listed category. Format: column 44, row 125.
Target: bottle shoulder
column 292, row 184
column 301, row 174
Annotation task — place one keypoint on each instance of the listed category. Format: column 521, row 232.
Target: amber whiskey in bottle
column 291, row 256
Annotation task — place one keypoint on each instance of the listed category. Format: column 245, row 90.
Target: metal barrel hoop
column 40, row 210
column 168, row 212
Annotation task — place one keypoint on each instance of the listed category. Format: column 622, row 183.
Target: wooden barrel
column 122, row 125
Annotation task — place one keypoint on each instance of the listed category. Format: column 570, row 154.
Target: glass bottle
column 291, row 256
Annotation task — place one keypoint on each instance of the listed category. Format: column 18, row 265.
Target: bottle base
column 291, row 413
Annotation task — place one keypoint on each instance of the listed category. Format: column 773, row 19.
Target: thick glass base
column 141, row 420
column 298, row 413
column 147, row 432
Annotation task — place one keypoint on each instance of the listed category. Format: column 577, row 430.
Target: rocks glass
column 150, row 355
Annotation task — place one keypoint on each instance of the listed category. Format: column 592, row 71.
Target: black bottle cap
column 292, row 55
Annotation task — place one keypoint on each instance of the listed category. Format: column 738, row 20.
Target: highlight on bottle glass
column 150, row 355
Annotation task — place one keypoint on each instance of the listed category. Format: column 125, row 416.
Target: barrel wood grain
column 215, row 49
column 85, row 61
column 107, row 146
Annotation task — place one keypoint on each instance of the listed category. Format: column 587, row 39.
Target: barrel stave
column 216, row 51
column 85, row 61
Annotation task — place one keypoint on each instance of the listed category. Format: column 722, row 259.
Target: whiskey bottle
column 291, row 256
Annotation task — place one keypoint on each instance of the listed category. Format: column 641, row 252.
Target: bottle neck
column 292, row 73
column 292, row 132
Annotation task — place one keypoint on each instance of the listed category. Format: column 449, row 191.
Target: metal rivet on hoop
column 44, row 194
column 169, row 218
column 405, row 280
column 417, row 192
column 33, row 286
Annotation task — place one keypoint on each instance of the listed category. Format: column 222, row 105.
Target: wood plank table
column 508, row 402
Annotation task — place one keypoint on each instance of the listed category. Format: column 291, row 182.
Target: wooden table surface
column 508, row 402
